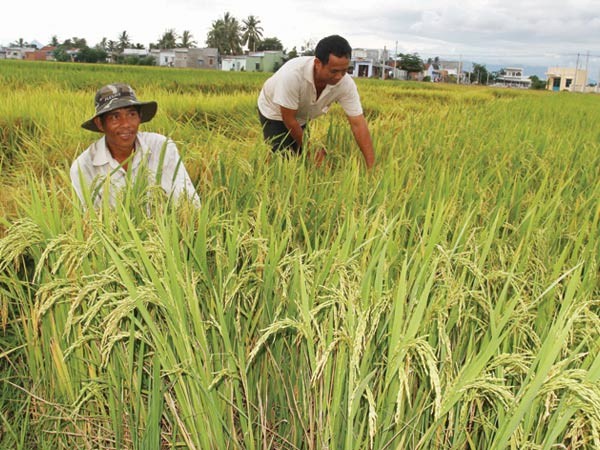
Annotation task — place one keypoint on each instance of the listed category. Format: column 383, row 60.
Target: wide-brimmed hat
column 115, row 96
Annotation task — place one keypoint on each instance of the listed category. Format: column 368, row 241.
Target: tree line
column 227, row 34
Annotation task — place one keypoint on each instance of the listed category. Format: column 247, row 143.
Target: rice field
column 446, row 299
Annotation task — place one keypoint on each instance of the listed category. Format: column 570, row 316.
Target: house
column 203, row 58
column 433, row 71
column 192, row 58
column 235, row 63
column 513, row 77
column 266, row 61
column 44, row 54
column 196, row 58
column 566, row 79
column 3, row 53
column 164, row 57
column 18, row 52
column 364, row 62
column 137, row 52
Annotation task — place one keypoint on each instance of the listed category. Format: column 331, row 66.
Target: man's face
column 120, row 127
column 333, row 71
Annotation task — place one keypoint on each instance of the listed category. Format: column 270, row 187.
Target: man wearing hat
column 124, row 151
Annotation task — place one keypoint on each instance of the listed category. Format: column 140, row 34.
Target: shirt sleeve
column 175, row 178
column 80, row 175
column 286, row 92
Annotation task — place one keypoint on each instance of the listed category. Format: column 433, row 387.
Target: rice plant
column 448, row 299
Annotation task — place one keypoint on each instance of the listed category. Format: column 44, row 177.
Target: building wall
column 233, row 64
column 566, row 79
column 272, row 61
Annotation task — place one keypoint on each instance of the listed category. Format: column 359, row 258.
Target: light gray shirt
column 96, row 164
column 293, row 87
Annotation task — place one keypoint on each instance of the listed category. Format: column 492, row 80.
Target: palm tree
column 124, row 41
column 168, row 39
column 252, row 32
column 225, row 35
column 103, row 44
column 187, row 40
column 20, row 43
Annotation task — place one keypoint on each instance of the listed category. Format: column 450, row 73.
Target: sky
column 512, row 33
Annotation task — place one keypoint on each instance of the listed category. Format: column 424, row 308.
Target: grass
column 446, row 300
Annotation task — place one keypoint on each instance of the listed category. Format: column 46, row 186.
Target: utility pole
column 587, row 59
column 395, row 57
column 575, row 77
column 459, row 69
column 383, row 56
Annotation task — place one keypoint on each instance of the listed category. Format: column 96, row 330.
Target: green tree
column 74, row 42
column 124, row 41
column 252, row 32
column 54, row 41
column 19, row 43
column 308, row 48
column 293, row 53
column 168, row 39
column 536, row 83
column 187, row 40
column 271, row 43
column 411, row 62
column 225, row 35
column 479, row 74
column 60, row 54
column 103, row 44
column 91, row 55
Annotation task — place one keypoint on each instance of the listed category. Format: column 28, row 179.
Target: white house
column 513, row 77
column 164, row 57
column 236, row 63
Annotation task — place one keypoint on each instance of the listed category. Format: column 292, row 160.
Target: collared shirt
column 293, row 87
column 96, row 164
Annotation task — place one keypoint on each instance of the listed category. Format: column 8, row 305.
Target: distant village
column 365, row 63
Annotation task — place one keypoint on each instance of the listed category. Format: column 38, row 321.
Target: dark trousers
column 278, row 136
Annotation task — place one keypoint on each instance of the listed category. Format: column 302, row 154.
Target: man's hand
column 320, row 156
column 360, row 130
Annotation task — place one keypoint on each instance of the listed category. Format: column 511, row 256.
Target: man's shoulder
column 297, row 65
column 87, row 156
column 151, row 140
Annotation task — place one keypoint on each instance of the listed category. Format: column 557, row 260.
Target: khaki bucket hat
column 115, row 96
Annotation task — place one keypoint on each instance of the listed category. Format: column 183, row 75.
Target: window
column 257, row 66
column 210, row 61
column 568, row 82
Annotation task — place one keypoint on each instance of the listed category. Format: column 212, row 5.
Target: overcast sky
column 506, row 32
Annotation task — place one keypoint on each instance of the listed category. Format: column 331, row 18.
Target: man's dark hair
column 336, row 45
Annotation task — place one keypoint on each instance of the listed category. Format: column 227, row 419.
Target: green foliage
column 479, row 74
column 411, row 62
column 91, row 55
column 225, row 35
column 446, row 299
column 536, row 83
column 270, row 43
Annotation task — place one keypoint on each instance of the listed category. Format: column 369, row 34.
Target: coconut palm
column 225, row 35
column 168, row 39
column 252, row 32
column 124, row 41
column 187, row 40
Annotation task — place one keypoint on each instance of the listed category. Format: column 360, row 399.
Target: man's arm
column 291, row 123
column 360, row 130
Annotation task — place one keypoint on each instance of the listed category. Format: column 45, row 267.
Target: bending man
column 304, row 88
